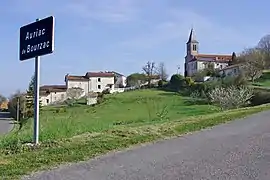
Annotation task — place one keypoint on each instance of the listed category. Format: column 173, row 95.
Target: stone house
column 91, row 81
column 120, row 79
column 233, row 70
column 50, row 94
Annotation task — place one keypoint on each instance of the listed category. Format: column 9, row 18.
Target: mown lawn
column 79, row 133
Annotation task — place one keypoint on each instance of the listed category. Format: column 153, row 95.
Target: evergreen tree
column 233, row 61
column 30, row 98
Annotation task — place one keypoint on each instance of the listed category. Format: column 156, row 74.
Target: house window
column 220, row 66
column 99, row 87
column 99, row 80
column 62, row 96
column 234, row 71
column 47, row 101
column 110, row 86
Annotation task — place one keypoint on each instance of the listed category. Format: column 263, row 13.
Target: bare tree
column 74, row 93
column 18, row 110
column 2, row 99
column 149, row 70
column 253, row 60
column 162, row 72
column 264, row 45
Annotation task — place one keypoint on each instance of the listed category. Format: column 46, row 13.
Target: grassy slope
column 131, row 108
column 263, row 81
column 123, row 120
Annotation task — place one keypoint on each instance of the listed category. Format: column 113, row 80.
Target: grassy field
column 263, row 81
column 131, row 108
column 72, row 134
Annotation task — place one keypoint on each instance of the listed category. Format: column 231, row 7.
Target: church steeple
column 192, row 37
column 192, row 44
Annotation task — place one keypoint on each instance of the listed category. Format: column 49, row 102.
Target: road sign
column 37, row 39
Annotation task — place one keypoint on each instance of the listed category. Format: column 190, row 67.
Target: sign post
column 36, row 100
column 37, row 39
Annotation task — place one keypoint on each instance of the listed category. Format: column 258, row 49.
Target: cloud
column 116, row 11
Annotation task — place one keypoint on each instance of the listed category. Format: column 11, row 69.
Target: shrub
column 261, row 96
column 177, row 82
column 231, row 97
column 100, row 95
column 189, row 81
column 106, row 91
column 160, row 83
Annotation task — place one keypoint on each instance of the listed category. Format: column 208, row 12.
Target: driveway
column 239, row 150
column 5, row 123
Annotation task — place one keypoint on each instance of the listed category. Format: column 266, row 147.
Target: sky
column 122, row 35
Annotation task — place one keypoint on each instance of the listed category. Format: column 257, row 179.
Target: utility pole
column 18, row 109
column 178, row 68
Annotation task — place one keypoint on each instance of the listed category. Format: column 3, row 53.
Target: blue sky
column 122, row 35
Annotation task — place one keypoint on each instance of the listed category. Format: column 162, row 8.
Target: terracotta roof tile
column 214, row 57
column 76, row 78
column 232, row 66
column 99, row 74
column 53, row 88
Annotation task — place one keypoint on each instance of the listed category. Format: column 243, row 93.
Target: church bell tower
column 192, row 46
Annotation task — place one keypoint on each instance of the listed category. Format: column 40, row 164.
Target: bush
column 177, row 82
column 100, row 95
column 231, row 97
column 106, row 91
column 261, row 96
column 160, row 83
column 189, row 81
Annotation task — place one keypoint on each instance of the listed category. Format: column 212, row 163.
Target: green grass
column 263, row 81
column 79, row 133
column 131, row 108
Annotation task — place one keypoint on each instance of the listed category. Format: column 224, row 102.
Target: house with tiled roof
column 233, row 70
column 50, row 94
column 194, row 61
column 120, row 79
column 91, row 81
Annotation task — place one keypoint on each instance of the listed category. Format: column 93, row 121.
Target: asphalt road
column 239, row 150
column 5, row 123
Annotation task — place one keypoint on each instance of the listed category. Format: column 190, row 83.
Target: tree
column 74, row 94
column 231, row 97
column 199, row 75
column 162, row 72
column 177, row 81
column 234, row 60
column 19, row 99
column 264, row 45
column 2, row 99
column 253, row 60
column 149, row 70
column 30, row 96
column 136, row 79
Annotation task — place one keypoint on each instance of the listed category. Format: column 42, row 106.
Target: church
column 195, row 62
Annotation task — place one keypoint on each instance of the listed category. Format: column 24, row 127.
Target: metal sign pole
column 36, row 100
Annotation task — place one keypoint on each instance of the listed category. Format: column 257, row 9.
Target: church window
column 194, row 47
